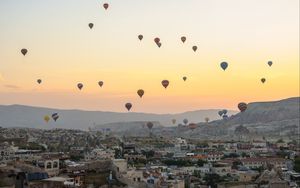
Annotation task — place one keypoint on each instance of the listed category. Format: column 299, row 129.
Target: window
column 49, row 165
column 55, row 164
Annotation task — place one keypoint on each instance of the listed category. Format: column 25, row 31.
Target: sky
column 63, row 51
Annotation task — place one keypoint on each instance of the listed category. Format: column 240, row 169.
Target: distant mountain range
column 32, row 117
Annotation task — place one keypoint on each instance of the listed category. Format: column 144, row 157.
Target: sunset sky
column 63, row 50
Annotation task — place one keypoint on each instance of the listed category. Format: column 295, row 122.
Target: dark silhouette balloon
column 24, row 51
column 220, row 112
column 184, row 78
column 80, row 86
column 128, row 106
column 55, row 116
column 100, row 83
column 141, row 37
column 224, row 111
column 91, row 25
column 185, row 121
column 165, row 83
column 106, row 5
column 195, row 48
column 183, row 39
column 242, row 106
column 140, row 92
column 149, row 125
column 39, row 81
column 263, row 80
column 157, row 40
column 270, row 63
column 159, row 44
column 224, row 65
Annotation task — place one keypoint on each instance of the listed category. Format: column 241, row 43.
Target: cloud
column 11, row 86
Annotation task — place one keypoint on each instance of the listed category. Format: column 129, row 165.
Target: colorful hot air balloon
column 173, row 121
column 140, row 37
column 39, row 81
column 140, row 92
column 224, row 65
column 24, row 51
column 106, row 5
column 270, row 63
column 46, row 119
column 206, row 119
column 184, row 78
column 220, row 112
column 91, row 25
column 165, row 83
column 185, row 121
column 55, row 116
column 128, row 106
column 157, row 40
column 242, row 106
column 149, row 125
column 263, row 80
column 195, row 48
column 100, row 83
column 80, row 86
column 183, row 39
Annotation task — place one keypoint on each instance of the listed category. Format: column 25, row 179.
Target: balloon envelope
column 224, row 111
column 39, row 81
column 140, row 37
column 242, row 106
column 263, row 80
column 106, row 5
column 195, row 48
column 165, row 83
column 80, row 86
column 224, row 65
column 185, row 121
column 100, row 83
column 91, row 25
column 46, row 119
column 183, row 39
column 128, row 106
column 270, row 63
column 55, row 116
column 220, row 112
column 140, row 92
column 158, row 44
column 157, row 40
column 24, row 51
column 149, row 125
column 184, row 78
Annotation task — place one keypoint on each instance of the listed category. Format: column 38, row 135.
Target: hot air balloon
column 157, row 40
column 183, row 39
column 55, row 116
column 149, row 125
column 141, row 37
column 185, row 121
column 106, row 5
column 24, row 51
column 140, row 92
column 192, row 126
column 80, row 86
column 220, row 112
column 195, row 48
column 91, row 25
column 165, row 83
column 100, row 83
column 173, row 121
column 46, row 119
column 39, row 81
column 206, row 119
column 270, row 63
column 128, row 106
column 225, row 116
column 224, row 65
column 263, row 80
column 184, row 78
column 242, row 106
column 224, row 111
column 158, row 44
